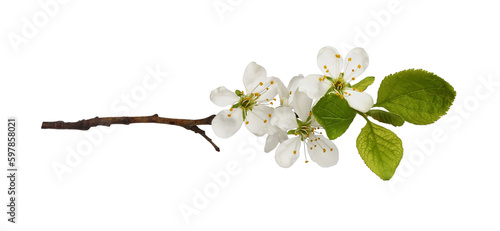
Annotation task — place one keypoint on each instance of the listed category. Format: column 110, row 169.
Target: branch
column 108, row 121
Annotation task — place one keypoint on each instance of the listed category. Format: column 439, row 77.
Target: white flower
column 321, row 150
column 277, row 135
column 336, row 81
column 249, row 108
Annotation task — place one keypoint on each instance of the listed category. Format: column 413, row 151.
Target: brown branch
column 108, row 121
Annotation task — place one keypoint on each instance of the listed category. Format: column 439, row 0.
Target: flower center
column 339, row 83
column 246, row 102
column 304, row 129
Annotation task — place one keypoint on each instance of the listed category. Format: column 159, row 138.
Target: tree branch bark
column 86, row 124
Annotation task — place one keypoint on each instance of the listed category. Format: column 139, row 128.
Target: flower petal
column 284, row 118
column 258, row 120
column 254, row 73
column 222, row 97
column 360, row 101
column 302, row 105
column 288, row 152
column 286, row 97
column 294, row 84
column 227, row 122
column 282, row 136
column 271, row 142
column 330, row 61
column 322, row 151
column 356, row 63
column 282, row 91
column 314, row 86
column 267, row 90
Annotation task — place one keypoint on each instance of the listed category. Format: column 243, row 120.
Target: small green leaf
column 386, row 117
column 419, row 96
column 364, row 83
column 381, row 149
column 334, row 115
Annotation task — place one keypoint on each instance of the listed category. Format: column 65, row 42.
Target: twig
column 108, row 121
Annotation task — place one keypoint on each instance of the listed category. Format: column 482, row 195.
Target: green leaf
column 334, row 115
column 386, row 117
column 380, row 148
column 419, row 96
column 364, row 83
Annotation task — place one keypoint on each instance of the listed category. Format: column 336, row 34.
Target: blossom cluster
column 288, row 121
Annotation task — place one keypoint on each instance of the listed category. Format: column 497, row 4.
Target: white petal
column 322, row 151
column 258, row 120
column 330, row 61
column 358, row 63
column 314, row 87
column 224, row 125
column 282, row 90
column 271, row 142
column 302, row 105
column 268, row 90
column 284, row 118
column 254, row 73
column 282, row 136
column 294, row 83
column 288, row 152
column 359, row 101
column 222, row 97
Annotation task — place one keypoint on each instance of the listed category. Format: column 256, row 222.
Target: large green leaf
column 364, row 83
column 419, row 96
column 333, row 114
column 386, row 117
column 380, row 148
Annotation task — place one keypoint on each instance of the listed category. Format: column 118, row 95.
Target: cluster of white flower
column 262, row 114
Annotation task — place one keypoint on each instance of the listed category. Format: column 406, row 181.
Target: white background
column 83, row 59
